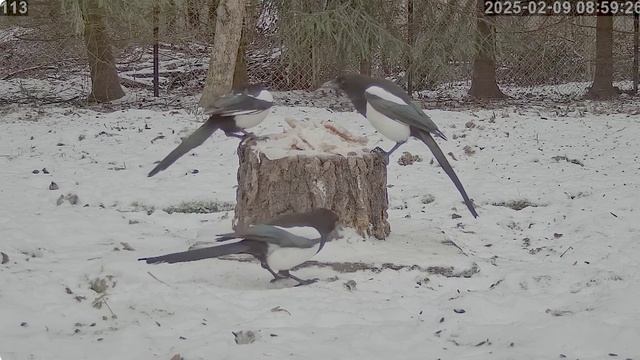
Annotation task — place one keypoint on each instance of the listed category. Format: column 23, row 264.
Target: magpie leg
column 395, row 147
column 230, row 134
column 386, row 154
column 247, row 134
column 378, row 150
column 276, row 277
column 301, row 282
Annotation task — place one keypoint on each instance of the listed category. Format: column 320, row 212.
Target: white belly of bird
column 251, row 120
column 391, row 129
column 305, row 231
column 285, row 258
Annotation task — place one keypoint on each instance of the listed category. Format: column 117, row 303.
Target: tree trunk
column 602, row 87
column 240, row 75
column 230, row 15
column 365, row 65
column 193, row 14
column 105, row 83
column 211, row 25
column 170, row 10
column 483, row 79
column 353, row 185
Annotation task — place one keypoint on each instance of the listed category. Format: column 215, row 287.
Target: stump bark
column 353, row 185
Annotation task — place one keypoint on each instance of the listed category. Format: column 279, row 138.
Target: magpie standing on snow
column 232, row 113
column 279, row 244
column 390, row 110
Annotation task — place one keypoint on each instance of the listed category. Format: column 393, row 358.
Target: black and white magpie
column 279, row 244
column 232, row 113
column 390, row 110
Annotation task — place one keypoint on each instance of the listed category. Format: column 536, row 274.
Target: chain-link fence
column 542, row 56
column 546, row 57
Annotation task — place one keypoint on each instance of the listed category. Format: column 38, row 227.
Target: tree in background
column 229, row 20
column 321, row 38
column 240, row 75
column 252, row 12
column 193, row 14
column 483, row 78
column 602, row 87
column 105, row 83
column 169, row 8
column 212, row 7
column 442, row 41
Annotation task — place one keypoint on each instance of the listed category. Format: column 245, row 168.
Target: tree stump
column 310, row 166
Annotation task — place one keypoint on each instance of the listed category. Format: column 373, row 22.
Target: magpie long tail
column 439, row 134
column 444, row 163
column 199, row 254
column 194, row 140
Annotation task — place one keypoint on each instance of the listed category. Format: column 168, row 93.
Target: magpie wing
column 408, row 114
column 237, row 104
column 269, row 234
column 192, row 141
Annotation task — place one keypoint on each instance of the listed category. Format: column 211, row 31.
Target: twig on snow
column 153, row 276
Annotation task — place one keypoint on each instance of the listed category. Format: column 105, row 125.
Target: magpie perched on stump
column 390, row 110
column 232, row 113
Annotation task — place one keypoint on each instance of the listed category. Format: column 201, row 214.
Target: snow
column 558, row 278
column 11, row 33
column 567, row 91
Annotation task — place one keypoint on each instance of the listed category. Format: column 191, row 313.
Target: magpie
column 279, row 244
column 390, row 110
column 232, row 113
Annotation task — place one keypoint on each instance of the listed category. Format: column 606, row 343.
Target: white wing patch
column 264, row 95
column 302, row 231
column 384, row 94
column 239, row 112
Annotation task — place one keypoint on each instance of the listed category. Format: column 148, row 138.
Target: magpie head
column 339, row 83
column 352, row 84
column 326, row 222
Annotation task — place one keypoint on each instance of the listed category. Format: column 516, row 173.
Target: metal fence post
column 636, row 32
column 156, row 60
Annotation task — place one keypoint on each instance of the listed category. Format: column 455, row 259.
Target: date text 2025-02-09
column 561, row 7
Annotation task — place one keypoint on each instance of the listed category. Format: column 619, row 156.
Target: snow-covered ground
column 550, row 269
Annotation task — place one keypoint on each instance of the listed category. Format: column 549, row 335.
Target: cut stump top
column 309, row 166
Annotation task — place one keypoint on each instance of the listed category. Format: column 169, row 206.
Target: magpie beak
column 332, row 84
column 335, row 234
